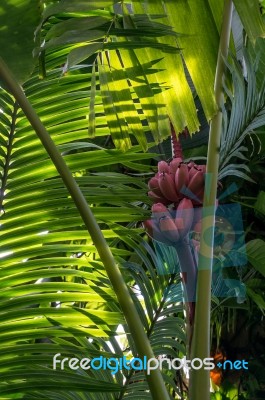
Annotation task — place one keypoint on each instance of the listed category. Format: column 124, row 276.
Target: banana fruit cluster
column 177, row 191
column 177, row 180
column 173, row 225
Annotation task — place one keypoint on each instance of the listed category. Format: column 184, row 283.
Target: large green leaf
column 257, row 298
column 260, row 203
column 249, row 12
column 55, row 294
column 146, row 57
column 256, row 254
column 158, row 296
column 177, row 97
column 53, row 286
column 247, row 100
column 151, row 75
column 18, row 21
column 199, row 43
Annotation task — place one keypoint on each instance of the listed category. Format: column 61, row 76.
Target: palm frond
column 158, row 295
column 53, row 288
column 247, row 115
column 18, row 21
column 137, row 71
column 55, row 294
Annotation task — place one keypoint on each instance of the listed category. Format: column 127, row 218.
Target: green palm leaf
column 247, row 115
column 53, row 286
column 137, row 89
column 18, row 20
column 157, row 293
column 55, row 294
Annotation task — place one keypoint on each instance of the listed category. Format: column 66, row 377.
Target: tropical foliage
column 112, row 77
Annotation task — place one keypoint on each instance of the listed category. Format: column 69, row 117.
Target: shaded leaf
column 250, row 15
column 18, row 21
column 256, row 254
column 260, row 203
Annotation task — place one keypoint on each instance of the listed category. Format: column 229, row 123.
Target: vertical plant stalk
column 142, row 344
column 200, row 347
column 188, row 269
column 176, row 145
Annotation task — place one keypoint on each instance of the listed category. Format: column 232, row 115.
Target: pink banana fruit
column 163, row 166
column 167, row 187
column 154, row 186
column 159, row 210
column 184, row 217
column 181, row 177
column 174, row 164
column 202, row 168
column 158, row 199
column 192, row 172
column 196, row 183
column 198, row 227
column 168, row 229
column 165, row 222
column 151, row 227
column 191, row 164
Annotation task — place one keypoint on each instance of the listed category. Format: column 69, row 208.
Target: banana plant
column 106, row 68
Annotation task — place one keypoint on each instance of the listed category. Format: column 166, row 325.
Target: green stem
column 155, row 380
column 200, row 379
column 188, row 269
